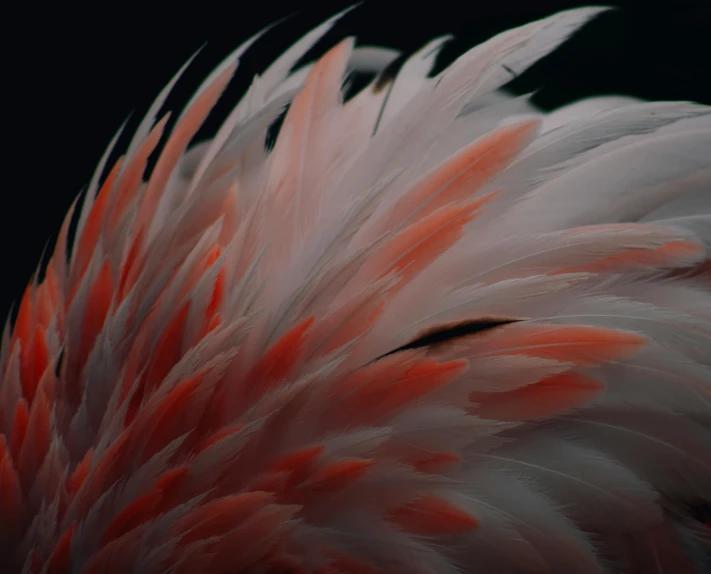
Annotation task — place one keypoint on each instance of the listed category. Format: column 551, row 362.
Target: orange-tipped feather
column 409, row 252
column 94, row 223
column 132, row 176
column 458, row 178
column 430, row 516
column 542, row 399
column 177, row 144
column 580, row 345
column 60, row 561
column 281, row 357
column 20, row 420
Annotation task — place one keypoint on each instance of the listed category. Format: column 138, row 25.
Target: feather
column 94, row 186
column 432, row 329
column 587, row 482
column 571, row 113
column 648, row 167
column 585, row 249
column 530, row 516
column 298, row 159
column 411, row 77
column 567, row 145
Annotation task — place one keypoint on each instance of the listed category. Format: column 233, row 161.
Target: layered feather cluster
column 429, row 331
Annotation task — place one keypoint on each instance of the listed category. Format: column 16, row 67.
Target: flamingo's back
column 430, row 331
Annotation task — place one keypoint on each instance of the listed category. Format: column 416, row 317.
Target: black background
column 72, row 72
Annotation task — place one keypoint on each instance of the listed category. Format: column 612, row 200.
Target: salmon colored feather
column 226, row 376
column 132, row 176
column 581, row 345
column 94, row 223
column 544, row 398
column 430, row 516
column 464, row 174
